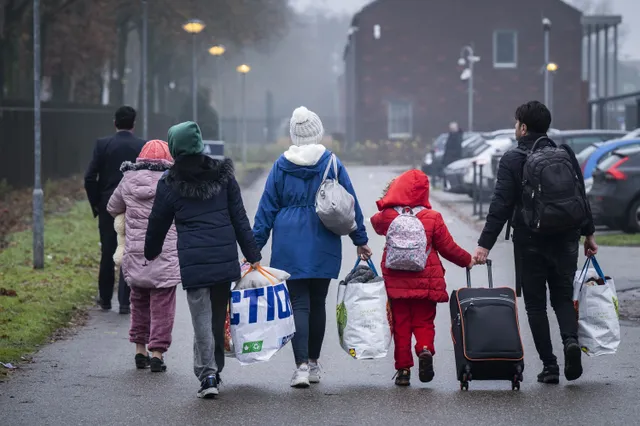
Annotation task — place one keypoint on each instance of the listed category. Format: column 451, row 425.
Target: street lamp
column 244, row 70
column 551, row 69
column 145, row 68
column 38, row 194
column 217, row 52
column 468, row 58
column 546, row 27
column 194, row 27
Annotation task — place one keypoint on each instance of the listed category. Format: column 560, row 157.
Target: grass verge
column 35, row 303
column 618, row 240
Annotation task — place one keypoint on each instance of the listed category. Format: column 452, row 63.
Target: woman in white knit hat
column 302, row 245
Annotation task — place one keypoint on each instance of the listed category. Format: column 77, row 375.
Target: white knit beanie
column 305, row 127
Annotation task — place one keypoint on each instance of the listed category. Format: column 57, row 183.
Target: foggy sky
column 629, row 9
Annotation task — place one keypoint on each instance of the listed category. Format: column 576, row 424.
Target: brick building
column 402, row 78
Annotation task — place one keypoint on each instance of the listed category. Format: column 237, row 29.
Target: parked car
column 583, row 156
column 634, row 134
column 576, row 139
column 615, row 196
column 601, row 154
column 459, row 174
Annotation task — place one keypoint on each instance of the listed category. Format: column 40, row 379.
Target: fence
column 68, row 138
column 615, row 112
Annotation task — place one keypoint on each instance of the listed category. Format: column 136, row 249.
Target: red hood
column 410, row 189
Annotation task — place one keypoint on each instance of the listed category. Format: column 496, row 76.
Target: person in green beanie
column 202, row 196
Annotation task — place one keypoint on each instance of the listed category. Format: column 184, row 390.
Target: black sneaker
column 425, row 366
column 157, row 365
column 208, row 388
column 403, row 377
column 142, row 361
column 124, row 310
column 550, row 374
column 572, row 361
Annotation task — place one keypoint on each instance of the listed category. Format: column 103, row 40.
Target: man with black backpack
column 540, row 192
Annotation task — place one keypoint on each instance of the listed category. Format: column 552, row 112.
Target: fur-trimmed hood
column 145, row 164
column 199, row 176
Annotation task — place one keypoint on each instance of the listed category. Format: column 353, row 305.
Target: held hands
column 590, row 246
column 364, row 252
column 472, row 263
column 480, row 256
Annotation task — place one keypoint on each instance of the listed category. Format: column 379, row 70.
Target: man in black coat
column 540, row 259
column 202, row 196
column 453, row 149
column 100, row 181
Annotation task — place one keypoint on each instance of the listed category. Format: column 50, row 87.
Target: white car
column 483, row 158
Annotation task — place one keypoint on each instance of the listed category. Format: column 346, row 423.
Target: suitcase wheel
column 464, row 382
column 515, row 384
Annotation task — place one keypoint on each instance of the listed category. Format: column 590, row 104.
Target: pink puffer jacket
column 134, row 197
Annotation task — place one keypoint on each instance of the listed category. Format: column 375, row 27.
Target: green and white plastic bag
column 597, row 307
column 363, row 323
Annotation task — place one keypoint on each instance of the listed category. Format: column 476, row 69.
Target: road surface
column 91, row 379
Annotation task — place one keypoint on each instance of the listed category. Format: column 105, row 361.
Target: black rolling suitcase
column 486, row 334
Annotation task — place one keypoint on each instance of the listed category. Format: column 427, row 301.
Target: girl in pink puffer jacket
column 153, row 283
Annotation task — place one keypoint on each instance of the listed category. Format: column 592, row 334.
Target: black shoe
column 158, row 365
column 142, row 361
column 208, row 388
column 403, row 377
column 124, row 310
column 572, row 361
column 425, row 366
column 550, row 374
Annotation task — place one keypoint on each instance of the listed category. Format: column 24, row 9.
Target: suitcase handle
column 489, row 272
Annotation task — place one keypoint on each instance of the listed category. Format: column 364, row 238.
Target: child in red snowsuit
column 414, row 295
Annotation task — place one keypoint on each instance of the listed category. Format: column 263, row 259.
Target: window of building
column 505, row 49
column 400, row 120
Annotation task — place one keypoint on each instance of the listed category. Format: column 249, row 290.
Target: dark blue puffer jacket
column 203, row 197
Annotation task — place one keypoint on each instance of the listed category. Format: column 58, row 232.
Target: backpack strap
column 409, row 210
column 332, row 162
column 543, row 138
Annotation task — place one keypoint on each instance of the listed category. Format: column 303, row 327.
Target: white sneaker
column 315, row 372
column 300, row 377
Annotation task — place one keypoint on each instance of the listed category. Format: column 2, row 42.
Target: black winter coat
column 103, row 174
column 508, row 192
column 203, row 197
column 453, row 149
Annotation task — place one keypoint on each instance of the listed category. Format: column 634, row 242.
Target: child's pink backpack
column 407, row 241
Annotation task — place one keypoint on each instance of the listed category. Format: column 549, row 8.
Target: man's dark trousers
column 109, row 242
column 553, row 261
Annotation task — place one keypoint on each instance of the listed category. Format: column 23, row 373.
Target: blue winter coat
column 301, row 245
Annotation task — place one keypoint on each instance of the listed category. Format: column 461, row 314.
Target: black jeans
column 106, row 279
column 553, row 262
column 308, row 299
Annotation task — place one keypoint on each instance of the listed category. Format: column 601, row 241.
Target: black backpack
column 553, row 198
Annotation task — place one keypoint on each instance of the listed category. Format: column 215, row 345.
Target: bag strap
column 597, row 267
column 268, row 275
column 332, row 162
column 547, row 138
column 369, row 263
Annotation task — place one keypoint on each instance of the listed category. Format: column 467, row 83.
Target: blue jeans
column 308, row 297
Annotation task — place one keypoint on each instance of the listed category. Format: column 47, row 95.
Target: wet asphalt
column 90, row 378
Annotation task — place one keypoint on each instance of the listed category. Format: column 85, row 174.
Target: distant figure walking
column 153, row 284
column 101, row 180
column 453, row 149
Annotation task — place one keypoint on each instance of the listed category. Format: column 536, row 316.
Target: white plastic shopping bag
column 596, row 304
column 261, row 318
column 363, row 314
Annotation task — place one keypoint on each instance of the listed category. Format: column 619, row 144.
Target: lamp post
column 145, row 72
column 546, row 26
column 468, row 58
column 194, row 27
column 38, row 194
column 217, row 52
column 244, row 70
column 550, row 69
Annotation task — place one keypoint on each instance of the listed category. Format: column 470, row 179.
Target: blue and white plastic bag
column 596, row 303
column 261, row 318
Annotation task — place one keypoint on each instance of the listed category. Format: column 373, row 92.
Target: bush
column 384, row 152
